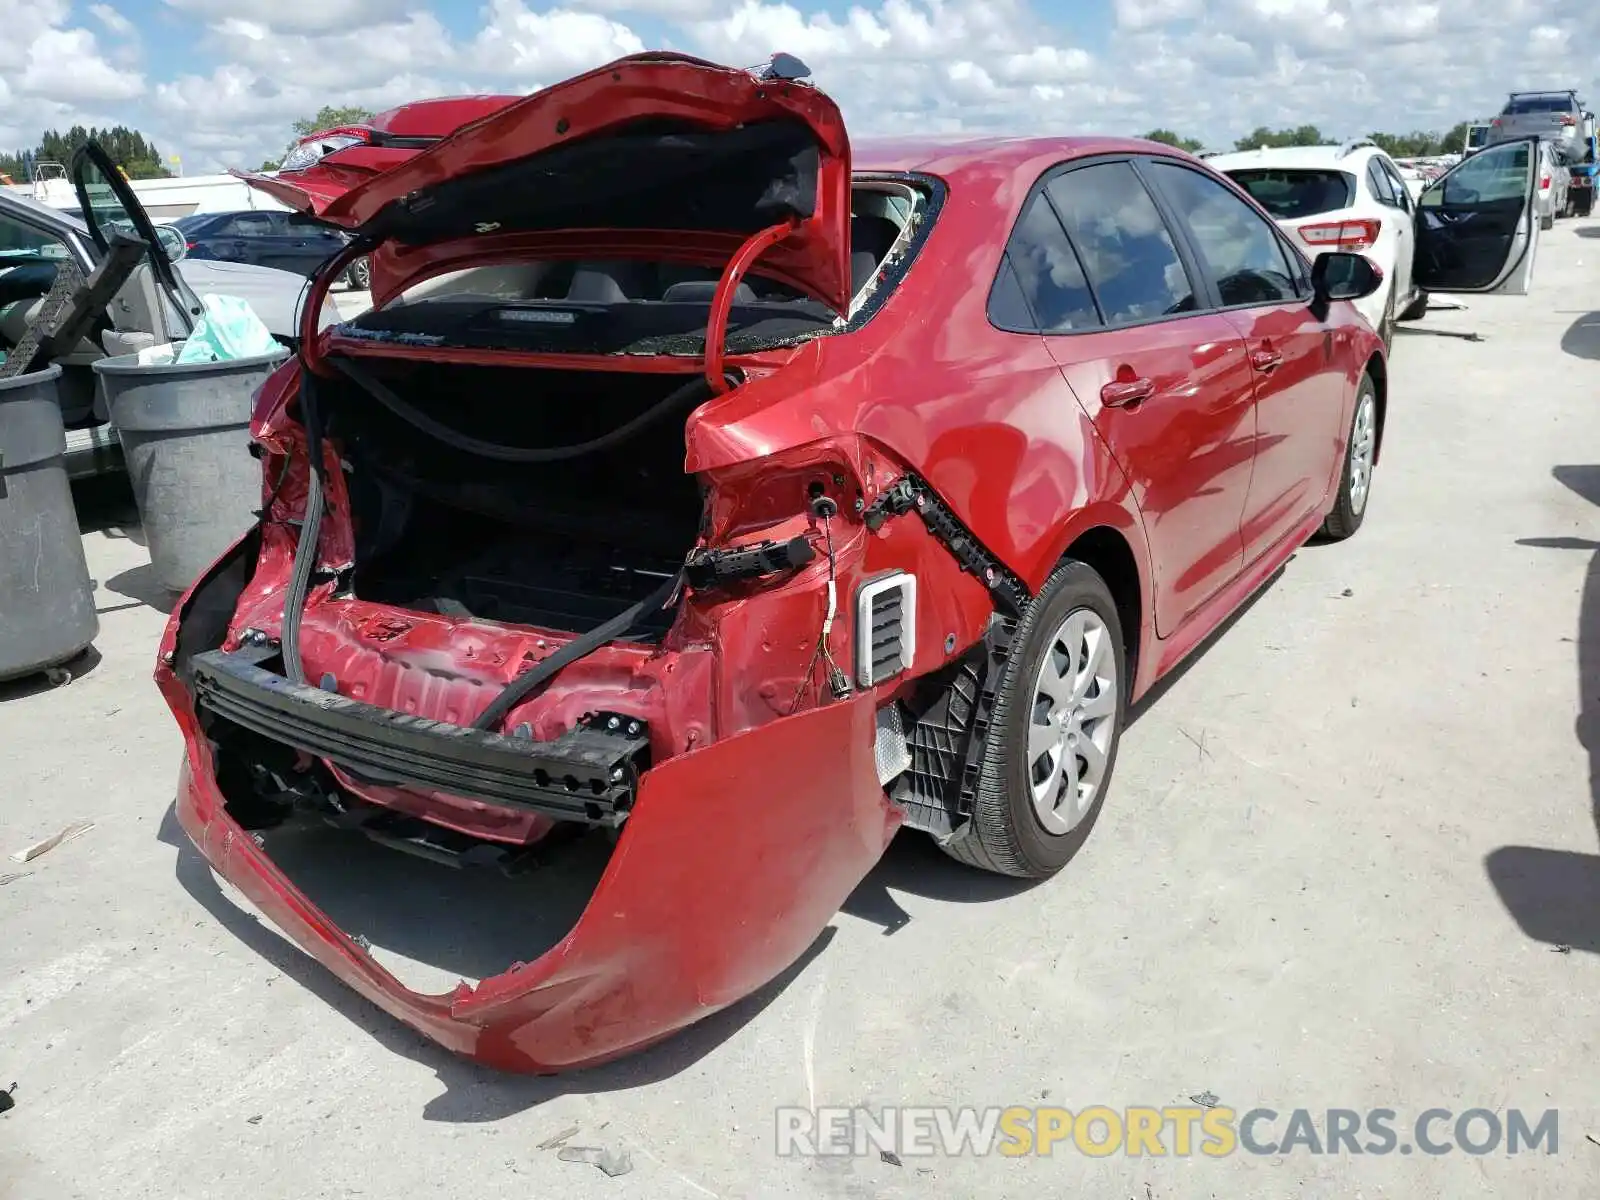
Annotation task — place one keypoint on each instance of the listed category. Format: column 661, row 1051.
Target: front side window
column 1241, row 250
column 1041, row 271
column 1499, row 173
column 1125, row 247
column 21, row 244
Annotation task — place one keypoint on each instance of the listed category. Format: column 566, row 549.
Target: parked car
column 1554, row 116
column 288, row 241
column 1347, row 199
column 1555, row 179
column 670, row 495
column 155, row 305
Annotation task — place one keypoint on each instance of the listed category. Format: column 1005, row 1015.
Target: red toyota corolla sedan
column 694, row 488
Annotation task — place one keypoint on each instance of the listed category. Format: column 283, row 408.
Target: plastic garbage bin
column 46, row 597
column 184, row 429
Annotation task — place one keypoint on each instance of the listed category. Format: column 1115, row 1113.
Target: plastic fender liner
column 1010, row 593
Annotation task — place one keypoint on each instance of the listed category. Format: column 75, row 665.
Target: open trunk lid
column 651, row 148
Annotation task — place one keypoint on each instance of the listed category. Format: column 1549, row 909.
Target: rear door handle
column 1121, row 393
column 1266, row 361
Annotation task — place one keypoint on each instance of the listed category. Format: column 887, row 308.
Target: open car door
column 113, row 212
column 1476, row 226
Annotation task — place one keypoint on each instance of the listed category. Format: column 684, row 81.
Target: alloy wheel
column 1073, row 721
column 1363, row 442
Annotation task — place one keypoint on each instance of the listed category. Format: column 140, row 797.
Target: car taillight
column 1496, row 123
column 190, row 245
column 1544, row 184
column 1341, row 235
column 1569, row 119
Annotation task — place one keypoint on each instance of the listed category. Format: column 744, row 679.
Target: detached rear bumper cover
column 734, row 859
column 585, row 775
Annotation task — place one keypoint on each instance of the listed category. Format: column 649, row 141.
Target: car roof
column 42, row 214
column 985, row 156
column 1307, row 158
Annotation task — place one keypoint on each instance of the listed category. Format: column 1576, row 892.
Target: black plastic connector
column 711, row 568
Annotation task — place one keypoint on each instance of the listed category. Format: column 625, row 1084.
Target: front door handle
column 1121, row 393
column 1266, row 361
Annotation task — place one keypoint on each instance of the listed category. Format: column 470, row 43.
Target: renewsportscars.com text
column 1100, row 1131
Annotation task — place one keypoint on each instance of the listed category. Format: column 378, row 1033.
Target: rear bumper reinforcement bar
column 588, row 774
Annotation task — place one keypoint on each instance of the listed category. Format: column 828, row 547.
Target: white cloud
column 547, row 45
column 1213, row 69
column 302, row 15
column 65, row 65
column 114, row 21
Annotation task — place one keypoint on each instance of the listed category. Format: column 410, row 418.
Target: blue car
column 287, row 241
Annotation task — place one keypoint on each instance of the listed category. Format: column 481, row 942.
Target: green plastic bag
column 228, row 329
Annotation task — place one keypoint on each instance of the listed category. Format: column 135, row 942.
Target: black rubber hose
column 524, row 685
column 696, row 389
column 305, row 551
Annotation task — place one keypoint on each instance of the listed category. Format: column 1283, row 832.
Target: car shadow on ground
column 1587, row 231
column 472, row 1093
column 1582, row 338
column 1554, row 895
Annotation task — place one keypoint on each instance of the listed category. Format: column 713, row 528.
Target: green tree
column 1273, row 139
column 328, row 116
column 127, row 148
column 1168, row 138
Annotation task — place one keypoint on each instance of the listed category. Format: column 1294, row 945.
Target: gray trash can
column 185, row 433
column 46, row 597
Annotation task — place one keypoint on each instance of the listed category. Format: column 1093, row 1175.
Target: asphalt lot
column 1341, row 858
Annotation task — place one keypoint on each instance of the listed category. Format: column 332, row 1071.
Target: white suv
column 1351, row 198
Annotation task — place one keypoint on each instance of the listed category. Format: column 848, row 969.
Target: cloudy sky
column 220, row 81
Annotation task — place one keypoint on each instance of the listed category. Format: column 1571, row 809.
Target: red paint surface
column 763, row 810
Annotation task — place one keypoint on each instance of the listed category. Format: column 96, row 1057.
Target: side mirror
column 172, row 242
column 1339, row 276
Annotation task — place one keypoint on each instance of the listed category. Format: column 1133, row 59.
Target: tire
column 1355, row 479
column 358, row 275
column 1008, row 834
column 1386, row 323
column 1416, row 310
column 1547, row 222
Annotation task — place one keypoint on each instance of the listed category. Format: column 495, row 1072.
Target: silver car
column 1550, row 200
column 1557, row 116
column 149, row 308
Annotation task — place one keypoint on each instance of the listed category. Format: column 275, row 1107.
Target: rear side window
column 1041, row 285
column 1241, row 250
column 1126, row 249
column 1288, row 195
column 1381, row 186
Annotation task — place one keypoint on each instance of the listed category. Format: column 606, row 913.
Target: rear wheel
column 1360, row 455
column 359, row 275
column 1386, row 324
column 1548, row 222
column 1417, row 309
column 1053, row 736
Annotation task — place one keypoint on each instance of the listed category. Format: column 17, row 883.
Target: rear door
column 1477, row 229
column 1299, row 396
column 1165, row 382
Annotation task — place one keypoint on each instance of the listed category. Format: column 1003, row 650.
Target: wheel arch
column 1109, row 552
column 1378, row 368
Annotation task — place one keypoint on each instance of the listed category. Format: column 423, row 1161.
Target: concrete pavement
column 1341, row 859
